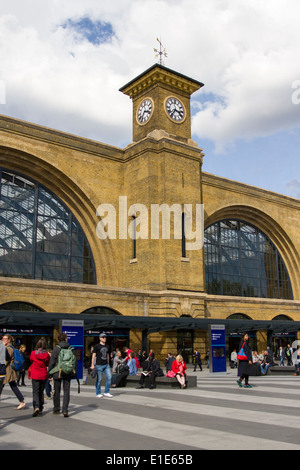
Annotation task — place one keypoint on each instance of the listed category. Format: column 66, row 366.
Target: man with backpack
column 62, row 368
column 289, row 355
column 12, row 366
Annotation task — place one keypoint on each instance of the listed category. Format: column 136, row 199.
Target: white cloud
column 246, row 53
column 294, row 188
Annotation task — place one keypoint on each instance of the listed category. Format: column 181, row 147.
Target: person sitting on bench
column 179, row 369
column 152, row 369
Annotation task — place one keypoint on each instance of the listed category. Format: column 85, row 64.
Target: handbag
column 93, row 373
column 241, row 354
column 170, row 373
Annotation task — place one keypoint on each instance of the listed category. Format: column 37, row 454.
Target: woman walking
column 244, row 360
column 22, row 372
column 11, row 375
column 39, row 372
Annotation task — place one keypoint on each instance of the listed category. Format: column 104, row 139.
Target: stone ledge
column 160, row 382
column 281, row 370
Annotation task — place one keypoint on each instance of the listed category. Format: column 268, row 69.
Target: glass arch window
column 20, row 306
column 101, row 311
column 240, row 260
column 39, row 236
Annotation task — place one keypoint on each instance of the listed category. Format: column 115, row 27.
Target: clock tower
column 161, row 103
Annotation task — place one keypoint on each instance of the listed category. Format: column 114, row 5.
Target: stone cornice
column 62, row 139
column 162, row 145
column 243, row 188
column 111, row 290
column 160, row 74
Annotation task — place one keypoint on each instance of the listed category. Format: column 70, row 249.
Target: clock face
column 175, row 109
column 144, row 111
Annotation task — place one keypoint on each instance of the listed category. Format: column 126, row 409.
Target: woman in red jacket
column 179, row 368
column 38, row 373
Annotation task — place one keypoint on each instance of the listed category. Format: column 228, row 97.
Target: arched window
column 39, row 236
column 282, row 318
column 241, row 260
column 101, row 311
column 238, row 316
column 20, row 306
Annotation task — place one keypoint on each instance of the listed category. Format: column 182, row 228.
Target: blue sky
column 96, row 32
column 62, row 64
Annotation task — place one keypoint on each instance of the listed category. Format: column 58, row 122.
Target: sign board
column 74, row 330
column 217, row 348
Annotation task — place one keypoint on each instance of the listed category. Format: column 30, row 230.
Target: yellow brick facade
column 157, row 167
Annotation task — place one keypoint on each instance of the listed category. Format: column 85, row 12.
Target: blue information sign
column 217, row 349
column 74, row 331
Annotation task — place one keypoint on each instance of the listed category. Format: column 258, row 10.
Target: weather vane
column 161, row 52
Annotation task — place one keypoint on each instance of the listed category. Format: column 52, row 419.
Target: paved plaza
column 216, row 415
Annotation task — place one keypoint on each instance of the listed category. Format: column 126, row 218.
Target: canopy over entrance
column 151, row 324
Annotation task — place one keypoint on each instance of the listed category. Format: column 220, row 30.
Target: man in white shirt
column 233, row 359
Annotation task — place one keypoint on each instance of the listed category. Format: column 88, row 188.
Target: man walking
column 198, row 361
column 60, row 378
column 289, row 355
column 101, row 354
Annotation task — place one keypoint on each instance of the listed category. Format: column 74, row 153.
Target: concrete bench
column 160, row 382
column 281, row 370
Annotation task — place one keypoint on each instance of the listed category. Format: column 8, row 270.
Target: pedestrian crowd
column 250, row 363
column 266, row 359
column 51, row 372
column 43, row 368
column 118, row 365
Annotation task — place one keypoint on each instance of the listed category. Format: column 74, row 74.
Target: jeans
column 264, row 369
column 48, row 388
column 107, row 372
column 14, row 387
column 281, row 361
column 38, row 387
column 65, row 382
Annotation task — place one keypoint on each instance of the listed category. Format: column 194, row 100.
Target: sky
column 62, row 63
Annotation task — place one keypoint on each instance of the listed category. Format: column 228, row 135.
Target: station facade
column 89, row 228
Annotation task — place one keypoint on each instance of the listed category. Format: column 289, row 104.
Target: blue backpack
column 18, row 360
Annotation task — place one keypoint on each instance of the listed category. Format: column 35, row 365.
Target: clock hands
column 174, row 109
column 144, row 111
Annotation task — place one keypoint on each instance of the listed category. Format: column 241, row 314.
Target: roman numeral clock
column 161, row 103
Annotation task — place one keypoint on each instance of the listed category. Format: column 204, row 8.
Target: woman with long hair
column 244, row 358
column 38, row 373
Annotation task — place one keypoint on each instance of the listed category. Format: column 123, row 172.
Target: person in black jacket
column 64, row 380
column 245, row 364
column 267, row 362
column 151, row 369
column 198, row 361
column 169, row 361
